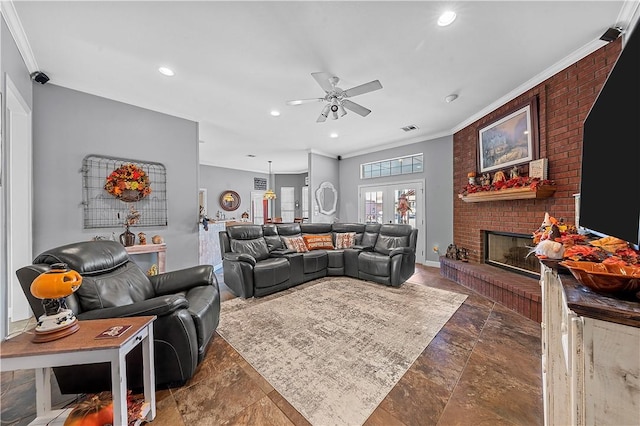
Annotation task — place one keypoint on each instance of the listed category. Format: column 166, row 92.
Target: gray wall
column 438, row 169
column 217, row 180
column 68, row 125
column 323, row 169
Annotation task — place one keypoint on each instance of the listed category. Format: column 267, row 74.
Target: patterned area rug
column 335, row 347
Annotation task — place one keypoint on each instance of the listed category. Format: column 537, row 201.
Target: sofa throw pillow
column 318, row 242
column 345, row 239
column 295, row 243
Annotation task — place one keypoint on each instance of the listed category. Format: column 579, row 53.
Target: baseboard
column 431, row 263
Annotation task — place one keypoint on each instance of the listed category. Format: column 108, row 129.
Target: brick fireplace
column 564, row 101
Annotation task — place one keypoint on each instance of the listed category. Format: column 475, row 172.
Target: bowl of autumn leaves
column 605, row 277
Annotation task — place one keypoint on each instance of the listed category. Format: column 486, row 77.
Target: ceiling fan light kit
column 336, row 98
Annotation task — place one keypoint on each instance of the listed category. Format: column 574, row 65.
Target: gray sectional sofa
column 257, row 261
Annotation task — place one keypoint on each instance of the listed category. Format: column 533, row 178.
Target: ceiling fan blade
column 323, row 80
column 321, row 119
column 358, row 109
column 304, row 101
column 363, row 88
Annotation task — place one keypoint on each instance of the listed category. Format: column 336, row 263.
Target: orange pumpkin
column 59, row 281
column 94, row 411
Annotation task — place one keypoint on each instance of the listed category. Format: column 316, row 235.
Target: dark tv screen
column 610, row 180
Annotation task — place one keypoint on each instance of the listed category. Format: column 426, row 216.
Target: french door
column 401, row 202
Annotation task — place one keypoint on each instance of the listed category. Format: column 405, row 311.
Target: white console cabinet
column 590, row 355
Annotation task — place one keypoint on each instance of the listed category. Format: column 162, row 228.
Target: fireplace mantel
column 544, row 191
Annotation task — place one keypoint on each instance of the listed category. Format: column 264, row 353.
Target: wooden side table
column 82, row 347
column 160, row 249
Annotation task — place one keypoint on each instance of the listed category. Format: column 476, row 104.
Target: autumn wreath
column 128, row 183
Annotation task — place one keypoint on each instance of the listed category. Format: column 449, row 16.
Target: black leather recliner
column 186, row 303
column 250, row 268
column 392, row 260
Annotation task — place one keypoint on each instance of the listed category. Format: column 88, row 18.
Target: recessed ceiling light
column 275, row 113
column 166, row 71
column 451, row 98
column 333, row 135
column 446, row 18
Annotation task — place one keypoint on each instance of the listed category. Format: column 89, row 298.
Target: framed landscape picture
column 509, row 140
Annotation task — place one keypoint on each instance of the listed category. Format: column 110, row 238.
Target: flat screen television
column 610, row 179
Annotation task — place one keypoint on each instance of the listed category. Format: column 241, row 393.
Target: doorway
column 257, row 207
column 401, row 202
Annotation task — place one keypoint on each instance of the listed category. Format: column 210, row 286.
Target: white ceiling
column 236, row 61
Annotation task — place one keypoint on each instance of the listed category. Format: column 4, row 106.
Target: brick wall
column 564, row 101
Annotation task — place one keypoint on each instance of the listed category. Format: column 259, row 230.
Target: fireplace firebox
column 510, row 251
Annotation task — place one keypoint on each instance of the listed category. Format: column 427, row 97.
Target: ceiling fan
column 336, row 98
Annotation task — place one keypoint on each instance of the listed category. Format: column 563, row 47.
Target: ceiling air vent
column 410, row 128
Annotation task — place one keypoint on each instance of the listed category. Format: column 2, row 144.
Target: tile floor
column 482, row 368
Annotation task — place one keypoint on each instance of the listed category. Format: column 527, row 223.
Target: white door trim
column 19, row 198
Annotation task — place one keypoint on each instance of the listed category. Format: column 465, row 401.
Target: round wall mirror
column 229, row 200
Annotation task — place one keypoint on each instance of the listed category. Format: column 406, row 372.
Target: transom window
column 392, row 167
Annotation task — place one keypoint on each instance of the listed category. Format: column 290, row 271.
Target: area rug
column 335, row 347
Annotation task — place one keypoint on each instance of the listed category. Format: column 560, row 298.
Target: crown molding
column 533, row 82
column 10, row 14
column 399, row 143
column 628, row 17
column 324, row 154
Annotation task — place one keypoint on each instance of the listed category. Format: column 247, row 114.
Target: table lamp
column 53, row 287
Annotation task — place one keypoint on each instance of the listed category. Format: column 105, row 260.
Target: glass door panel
column 405, row 206
column 287, row 204
column 373, row 207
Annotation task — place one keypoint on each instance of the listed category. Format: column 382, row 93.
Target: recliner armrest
column 362, row 248
column 281, row 252
column 158, row 306
column 400, row 250
column 182, row 280
column 240, row 257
